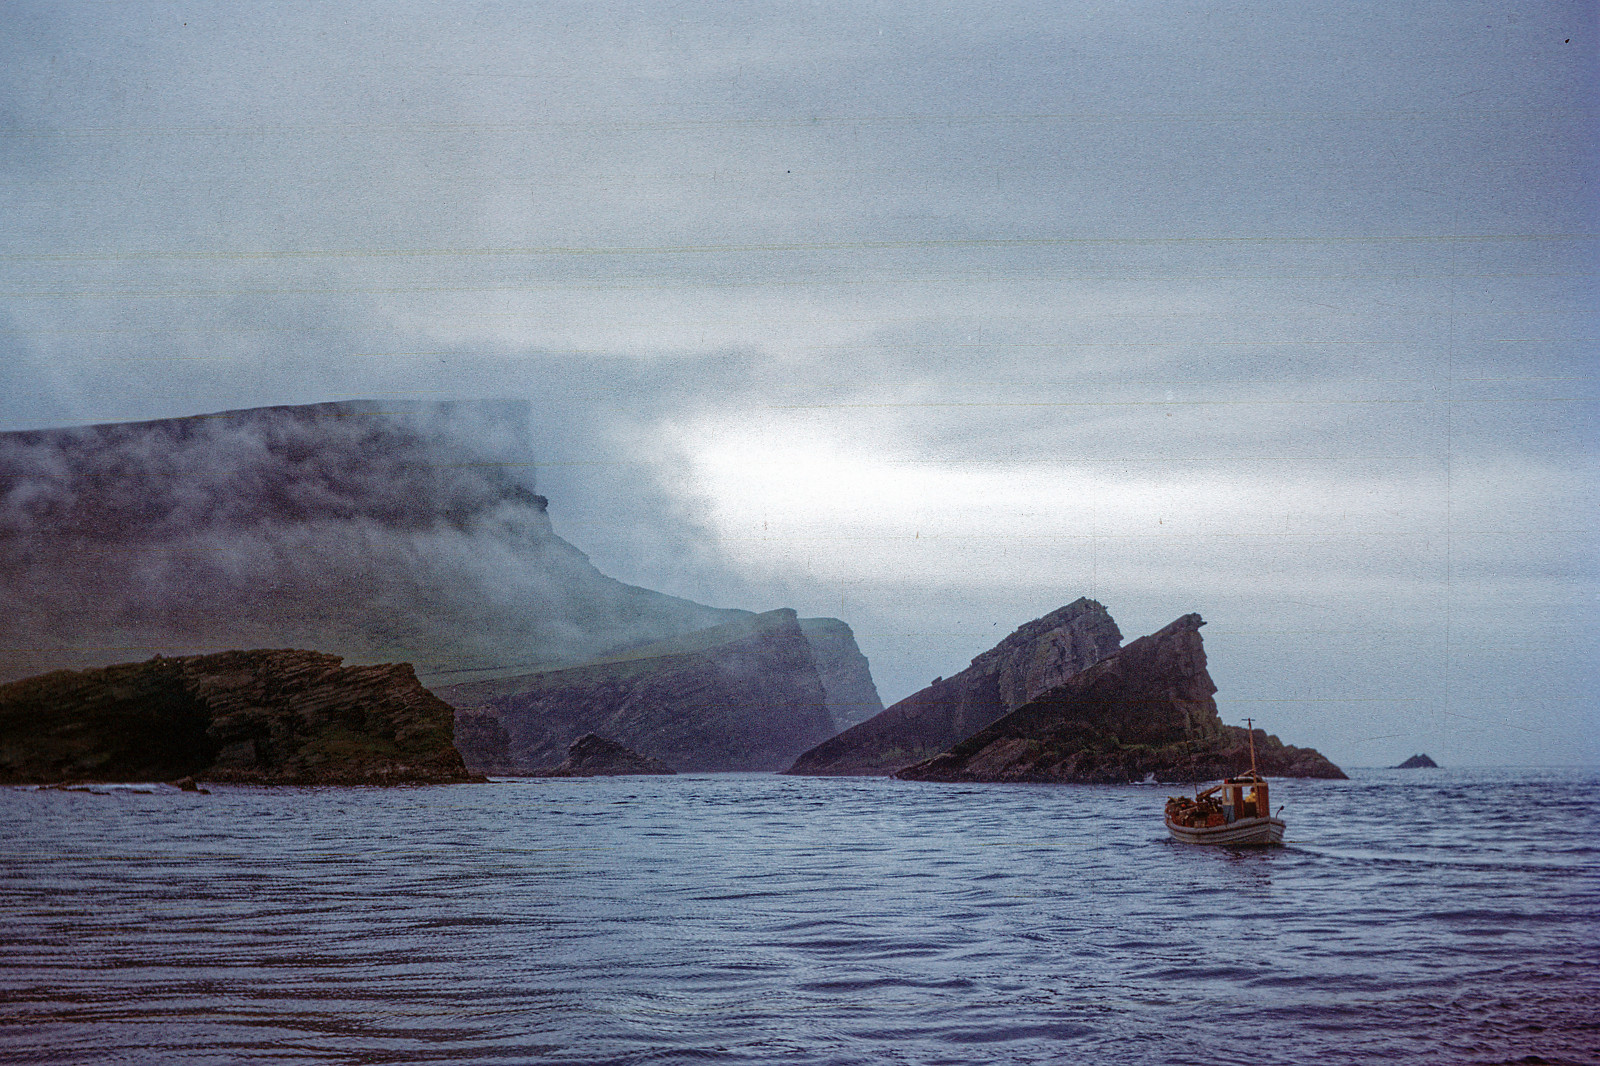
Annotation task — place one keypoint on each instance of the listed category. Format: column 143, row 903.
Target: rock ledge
column 267, row 717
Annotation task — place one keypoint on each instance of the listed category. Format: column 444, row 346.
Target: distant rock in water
column 1147, row 710
column 1036, row 657
column 592, row 756
column 741, row 696
column 1417, row 762
column 277, row 717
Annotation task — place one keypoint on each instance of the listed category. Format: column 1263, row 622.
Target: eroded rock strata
column 742, row 696
column 592, row 756
column 1145, row 711
column 1039, row 655
column 278, row 717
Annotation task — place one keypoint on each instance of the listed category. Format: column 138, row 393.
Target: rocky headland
column 742, row 696
column 1037, row 656
column 1145, row 712
column 270, row 717
column 592, row 756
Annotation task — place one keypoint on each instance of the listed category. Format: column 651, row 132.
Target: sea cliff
column 742, row 696
column 381, row 532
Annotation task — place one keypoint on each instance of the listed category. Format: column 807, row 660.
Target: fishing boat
column 1236, row 812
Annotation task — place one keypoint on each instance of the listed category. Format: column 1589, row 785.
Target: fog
column 406, row 531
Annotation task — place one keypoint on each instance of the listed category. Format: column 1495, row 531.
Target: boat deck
column 1240, row 832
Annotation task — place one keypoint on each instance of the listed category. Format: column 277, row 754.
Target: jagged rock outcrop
column 279, row 717
column 1147, row 710
column 742, row 696
column 380, row 532
column 592, row 756
column 1417, row 762
column 846, row 676
column 1039, row 655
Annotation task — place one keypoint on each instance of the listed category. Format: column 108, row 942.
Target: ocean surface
column 1427, row 916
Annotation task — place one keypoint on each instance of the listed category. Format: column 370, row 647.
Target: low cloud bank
column 377, row 531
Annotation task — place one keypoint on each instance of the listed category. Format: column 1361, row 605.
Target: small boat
column 1234, row 812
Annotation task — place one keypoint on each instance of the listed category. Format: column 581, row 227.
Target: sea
column 1418, row 916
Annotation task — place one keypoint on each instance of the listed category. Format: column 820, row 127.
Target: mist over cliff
column 378, row 531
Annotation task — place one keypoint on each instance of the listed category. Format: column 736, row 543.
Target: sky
column 932, row 318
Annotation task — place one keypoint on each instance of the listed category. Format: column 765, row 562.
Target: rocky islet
column 1146, row 712
column 594, row 756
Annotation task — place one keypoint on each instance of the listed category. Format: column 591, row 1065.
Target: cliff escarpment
column 743, row 696
column 1037, row 656
column 274, row 717
column 1145, row 711
column 852, row 696
column 380, row 532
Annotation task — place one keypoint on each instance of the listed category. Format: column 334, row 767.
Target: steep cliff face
column 743, row 696
column 483, row 742
column 1038, row 655
column 846, row 676
column 1146, row 710
column 379, row 532
column 255, row 717
column 592, row 756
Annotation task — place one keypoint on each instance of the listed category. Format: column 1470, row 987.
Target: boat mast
column 1249, row 729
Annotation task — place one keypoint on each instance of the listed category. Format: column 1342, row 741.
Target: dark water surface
column 1430, row 916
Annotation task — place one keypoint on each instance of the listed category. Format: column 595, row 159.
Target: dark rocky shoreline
column 265, row 717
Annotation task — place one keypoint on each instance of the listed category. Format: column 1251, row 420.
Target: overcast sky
column 933, row 319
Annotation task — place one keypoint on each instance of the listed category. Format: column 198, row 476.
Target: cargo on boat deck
column 1237, row 811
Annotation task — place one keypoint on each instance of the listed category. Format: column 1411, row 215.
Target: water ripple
column 760, row 919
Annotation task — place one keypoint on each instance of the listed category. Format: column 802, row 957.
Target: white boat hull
column 1243, row 831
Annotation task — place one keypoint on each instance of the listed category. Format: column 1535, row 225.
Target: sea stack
column 1037, row 656
column 1417, row 762
column 1145, row 711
